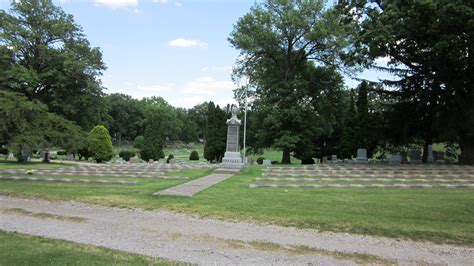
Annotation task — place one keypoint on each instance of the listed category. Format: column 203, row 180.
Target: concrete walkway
column 195, row 186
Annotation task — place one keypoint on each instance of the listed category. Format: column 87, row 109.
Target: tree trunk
column 424, row 159
column 286, row 156
column 467, row 150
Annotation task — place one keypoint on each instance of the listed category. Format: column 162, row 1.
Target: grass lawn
column 438, row 215
column 19, row 249
column 4, row 165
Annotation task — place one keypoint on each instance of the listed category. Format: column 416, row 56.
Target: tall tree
column 216, row 133
column 430, row 47
column 26, row 126
column 50, row 60
column 276, row 40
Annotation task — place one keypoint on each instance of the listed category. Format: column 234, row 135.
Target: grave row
column 290, row 179
column 360, row 186
column 369, row 175
column 68, row 180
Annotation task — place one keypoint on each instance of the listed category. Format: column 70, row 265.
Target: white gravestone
column 232, row 157
column 267, row 162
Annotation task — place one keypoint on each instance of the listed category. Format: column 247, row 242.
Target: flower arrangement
column 30, row 172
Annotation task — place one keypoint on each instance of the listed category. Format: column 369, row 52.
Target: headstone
column 333, row 157
column 10, row 156
column 439, row 157
column 430, row 156
column 394, row 158
column 46, row 156
column 415, row 156
column 404, row 156
column 232, row 157
column 362, row 156
column 69, row 157
column 266, row 162
column 150, row 161
column 324, row 159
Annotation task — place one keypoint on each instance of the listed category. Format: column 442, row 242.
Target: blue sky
column 176, row 49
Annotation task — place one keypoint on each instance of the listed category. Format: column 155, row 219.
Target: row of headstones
column 414, row 155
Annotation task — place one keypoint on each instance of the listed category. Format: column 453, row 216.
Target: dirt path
column 187, row 238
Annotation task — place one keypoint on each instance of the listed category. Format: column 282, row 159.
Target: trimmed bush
column 307, row 161
column 138, row 142
column 260, row 160
column 4, row 150
column 170, row 157
column 100, row 144
column 61, row 152
column 126, row 155
column 194, row 156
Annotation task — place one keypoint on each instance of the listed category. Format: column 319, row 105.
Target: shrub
column 61, row 153
column 260, row 160
column 170, row 157
column 138, row 142
column 84, row 151
column 307, row 161
column 4, row 150
column 194, row 156
column 100, row 144
column 126, row 155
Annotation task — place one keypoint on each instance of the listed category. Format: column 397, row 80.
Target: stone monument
column 232, row 157
column 362, row 156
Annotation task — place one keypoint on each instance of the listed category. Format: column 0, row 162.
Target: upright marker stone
column 232, row 157
column 362, row 156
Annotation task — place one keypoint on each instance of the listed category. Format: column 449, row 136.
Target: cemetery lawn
column 4, row 165
column 19, row 249
column 436, row 215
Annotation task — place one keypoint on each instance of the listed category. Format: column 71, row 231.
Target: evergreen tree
column 216, row 133
column 154, row 138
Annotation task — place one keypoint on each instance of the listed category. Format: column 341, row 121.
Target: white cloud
column 117, row 4
column 160, row 1
column 180, row 42
column 220, row 69
column 178, row 4
column 207, row 86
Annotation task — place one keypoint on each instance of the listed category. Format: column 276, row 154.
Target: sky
column 176, row 49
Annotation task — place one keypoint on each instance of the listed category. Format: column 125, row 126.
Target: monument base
column 231, row 160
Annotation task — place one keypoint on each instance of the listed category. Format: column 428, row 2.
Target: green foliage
column 170, row 157
column 280, row 41
column 154, row 137
column 429, row 46
column 216, row 133
column 126, row 155
column 4, row 150
column 127, row 116
column 28, row 126
column 194, row 156
column 46, row 57
column 138, row 142
column 61, row 152
column 100, row 144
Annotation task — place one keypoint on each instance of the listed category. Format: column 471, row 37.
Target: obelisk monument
column 232, row 157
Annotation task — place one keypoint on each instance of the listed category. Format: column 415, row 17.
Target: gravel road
column 188, row 238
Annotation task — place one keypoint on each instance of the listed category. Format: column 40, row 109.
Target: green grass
column 437, row 215
column 4, row 165
column 19, row 249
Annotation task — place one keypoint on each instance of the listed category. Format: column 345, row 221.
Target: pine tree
column 216, row 133
column 154, row 137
